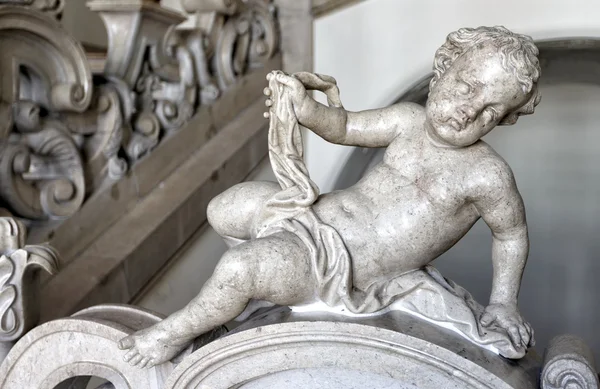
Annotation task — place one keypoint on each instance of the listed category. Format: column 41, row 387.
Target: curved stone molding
column 60, row 78
column 19, row 265
column 249, row 355
column 86, row 345
column 41, row 167
column 83, row 345
column 569, row 364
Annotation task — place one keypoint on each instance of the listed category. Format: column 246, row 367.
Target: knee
column 236, row 271
column 232, row 212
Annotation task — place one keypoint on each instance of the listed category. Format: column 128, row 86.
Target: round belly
column 391, row 235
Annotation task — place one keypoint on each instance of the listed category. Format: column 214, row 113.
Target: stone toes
column 144, row 362
column 130, row 355
column 136, row 360
column 126, row 343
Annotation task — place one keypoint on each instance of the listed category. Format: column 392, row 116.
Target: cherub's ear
column 509, row 119
column 526, row 109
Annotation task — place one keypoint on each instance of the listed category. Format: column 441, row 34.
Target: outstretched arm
column 370, row 128
column 501, row 207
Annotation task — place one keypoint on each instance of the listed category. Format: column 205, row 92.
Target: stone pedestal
column 279, row 346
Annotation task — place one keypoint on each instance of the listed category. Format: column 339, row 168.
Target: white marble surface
column 324, row 378
column 192, row 265
column 377, row 49
column 554, row 155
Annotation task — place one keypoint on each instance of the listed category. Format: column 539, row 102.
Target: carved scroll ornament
column 19, row 265
column 62, row 134
column 43, row 68
column 569, row 364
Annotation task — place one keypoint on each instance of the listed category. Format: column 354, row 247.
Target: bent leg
column 232, row 213
column 276, row 268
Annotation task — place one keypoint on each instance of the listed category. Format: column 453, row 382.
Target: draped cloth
column 423, row 293
column 290, row 209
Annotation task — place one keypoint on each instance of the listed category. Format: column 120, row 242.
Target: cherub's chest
column 433, row 177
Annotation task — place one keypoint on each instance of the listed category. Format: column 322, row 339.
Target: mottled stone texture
column 362, row 249
column 569, row 364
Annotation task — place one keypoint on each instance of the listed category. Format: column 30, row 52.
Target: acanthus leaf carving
column 41, row 168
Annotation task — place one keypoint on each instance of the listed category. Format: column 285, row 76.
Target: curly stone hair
column 519, row 56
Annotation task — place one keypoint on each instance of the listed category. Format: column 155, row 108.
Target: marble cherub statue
column 368, row 248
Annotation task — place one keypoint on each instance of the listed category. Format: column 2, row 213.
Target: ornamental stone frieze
column 68, row 131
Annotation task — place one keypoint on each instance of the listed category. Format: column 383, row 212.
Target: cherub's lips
column 455, row 124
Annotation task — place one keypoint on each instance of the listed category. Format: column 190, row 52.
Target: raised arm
column 370, row 128
column 499, row 203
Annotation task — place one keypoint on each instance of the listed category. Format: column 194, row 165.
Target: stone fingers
column 531, row 334
column 516, row 333
column 268, row 102
column 487, row 319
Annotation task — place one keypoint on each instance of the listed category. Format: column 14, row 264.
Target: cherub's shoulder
column 408, row 117
column 489, row 169
column 408, row 110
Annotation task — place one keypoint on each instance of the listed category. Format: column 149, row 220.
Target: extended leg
column 276, row 268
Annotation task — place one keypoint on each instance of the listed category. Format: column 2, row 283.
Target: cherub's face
column 472, row 96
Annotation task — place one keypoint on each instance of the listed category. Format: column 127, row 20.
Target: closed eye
column 493, row 112
column 464, row 88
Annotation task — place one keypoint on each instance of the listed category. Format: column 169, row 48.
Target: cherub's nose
column 470, row 112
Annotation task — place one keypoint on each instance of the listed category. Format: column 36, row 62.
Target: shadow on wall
column 85, row 25
column 555, row 156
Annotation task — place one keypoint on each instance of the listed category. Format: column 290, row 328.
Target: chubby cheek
column 474, row 132
column 439, row 109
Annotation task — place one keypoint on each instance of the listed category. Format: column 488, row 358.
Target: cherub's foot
column 150, row 347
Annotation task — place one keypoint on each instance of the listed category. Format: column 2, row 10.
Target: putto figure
column 367, row 248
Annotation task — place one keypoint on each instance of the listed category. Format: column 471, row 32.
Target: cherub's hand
column 298, row 94
column 508, row 317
